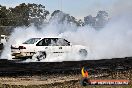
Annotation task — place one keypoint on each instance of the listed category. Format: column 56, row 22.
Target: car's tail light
column 22, row 47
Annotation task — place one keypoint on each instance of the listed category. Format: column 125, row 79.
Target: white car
column 43, row 47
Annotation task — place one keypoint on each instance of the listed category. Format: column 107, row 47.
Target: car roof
column 46, row 37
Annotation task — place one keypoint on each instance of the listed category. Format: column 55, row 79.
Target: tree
column 3, row 16
column 19, row 15
column 97, row 22
column 37, row 14
column 26, row 14
column 80, row 22
column 89, row 20
column 101, row 19
column 55, row 13
column 62, row 18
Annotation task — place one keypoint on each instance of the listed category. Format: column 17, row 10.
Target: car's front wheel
column 83, row 53
column 40, row 55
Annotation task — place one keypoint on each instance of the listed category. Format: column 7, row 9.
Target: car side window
column 63, row 42
column 47, row 42
column 44, row 42
column 53, row 42
column 40, row 43
column 67, row 43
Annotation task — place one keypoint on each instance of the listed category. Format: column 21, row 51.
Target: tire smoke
column 112, row 41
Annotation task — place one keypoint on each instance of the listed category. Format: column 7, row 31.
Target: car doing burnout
column 43, row 47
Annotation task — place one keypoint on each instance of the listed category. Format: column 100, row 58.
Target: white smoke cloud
column 113, row 41
column 120, row 7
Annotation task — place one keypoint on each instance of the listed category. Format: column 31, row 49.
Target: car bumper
column 22, row 55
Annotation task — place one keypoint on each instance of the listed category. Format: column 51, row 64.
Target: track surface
column 16, row 68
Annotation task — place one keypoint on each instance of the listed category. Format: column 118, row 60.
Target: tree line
column 27, row 14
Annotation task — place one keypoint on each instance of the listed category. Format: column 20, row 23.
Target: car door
column 63, row 47
column 43, row 45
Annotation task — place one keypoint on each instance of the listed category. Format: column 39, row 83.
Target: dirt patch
column 64, row 80
column 37, row 80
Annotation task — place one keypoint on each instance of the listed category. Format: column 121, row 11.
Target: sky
column 76, row 8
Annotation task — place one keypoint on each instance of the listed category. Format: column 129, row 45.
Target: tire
column 1, row 46
column 83, row 53
column 40, row 55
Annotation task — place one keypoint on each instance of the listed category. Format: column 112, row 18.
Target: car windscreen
column 31, row 41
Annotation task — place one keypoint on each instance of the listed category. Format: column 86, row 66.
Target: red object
column 86, row 73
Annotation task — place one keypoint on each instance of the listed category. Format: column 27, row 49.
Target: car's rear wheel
column 83, row 53
column 40, row 55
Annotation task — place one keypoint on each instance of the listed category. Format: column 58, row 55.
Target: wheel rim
column 83, row 53
column 40, row 55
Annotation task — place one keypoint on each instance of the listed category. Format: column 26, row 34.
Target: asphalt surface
column 16, row 68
